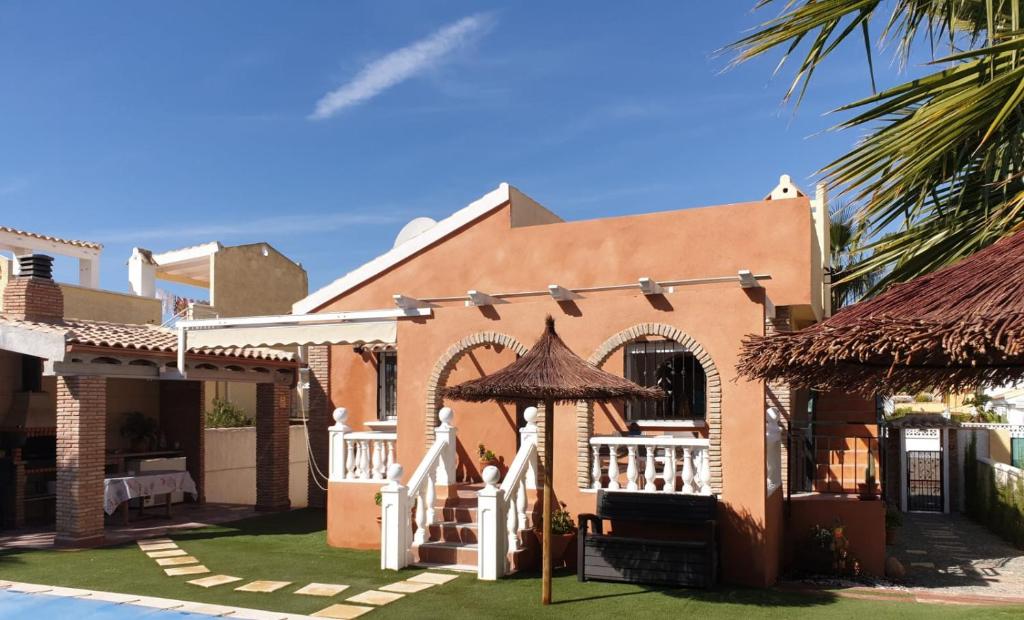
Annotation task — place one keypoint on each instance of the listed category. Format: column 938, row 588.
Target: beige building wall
column 999, row 446
column 5, row 275
column 99, row 305
column 242, row 395
column 255, row 279
column 231, row 465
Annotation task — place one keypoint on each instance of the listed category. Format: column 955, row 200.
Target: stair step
column 459, row 514
column 447, row 553
column 461, row 568
column 453, row 531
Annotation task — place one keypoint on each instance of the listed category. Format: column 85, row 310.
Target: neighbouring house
column 663, row 298
column 78, row 362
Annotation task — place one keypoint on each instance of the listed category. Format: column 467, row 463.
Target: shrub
column 923, row 397
column 226, row 415
column 1000, row 507
column 561, row 521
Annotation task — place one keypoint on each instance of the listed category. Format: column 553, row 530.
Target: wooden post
column 549, row 453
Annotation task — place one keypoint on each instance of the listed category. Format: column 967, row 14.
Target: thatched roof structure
column 953, row 329
column 549, row 371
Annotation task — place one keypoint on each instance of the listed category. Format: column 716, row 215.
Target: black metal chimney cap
column 36, row 266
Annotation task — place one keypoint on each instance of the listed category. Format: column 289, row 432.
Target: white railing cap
column 643, row 440
column 372, row 435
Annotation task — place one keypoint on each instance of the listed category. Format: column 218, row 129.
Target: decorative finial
column 530, row 415
column 445, row 415
column 340, row 416
column 395, row 472
column 549, row 323
column 490, row 475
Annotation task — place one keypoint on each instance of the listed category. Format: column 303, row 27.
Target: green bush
column 226, row 415
column 923, row 397
column 999, row 507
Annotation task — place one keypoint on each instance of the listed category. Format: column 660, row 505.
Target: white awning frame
column 378, row 327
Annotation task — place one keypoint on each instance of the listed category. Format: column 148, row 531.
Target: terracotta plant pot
column 483, row 464
column 559, row 544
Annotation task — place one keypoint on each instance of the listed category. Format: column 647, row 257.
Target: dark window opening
column 31, row 374
column 387, row 385
column 673, row 368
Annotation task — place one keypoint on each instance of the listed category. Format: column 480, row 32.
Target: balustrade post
column 364, row 459
column 521, row 505
column 378, row 460
column 705, row 472
column 670, row 470
column 447, row 433
column 631, row 468
column 394, row 521
column 352, row 460
column 528, row 435
column 337, row 465
column 613, row 467
column 649, row 471
column 687, row 471
column 595, row 467
column 492, row 540
column 430, row 497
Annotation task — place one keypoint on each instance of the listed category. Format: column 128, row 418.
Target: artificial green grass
column 292, row 547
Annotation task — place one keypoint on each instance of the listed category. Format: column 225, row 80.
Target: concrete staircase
column 452, row 540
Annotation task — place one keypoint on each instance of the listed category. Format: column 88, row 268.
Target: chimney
column 32, row 295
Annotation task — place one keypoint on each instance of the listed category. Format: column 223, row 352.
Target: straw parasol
column 552, row 373
column 954, row 329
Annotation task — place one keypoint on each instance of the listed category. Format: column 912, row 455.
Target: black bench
column 691, row 563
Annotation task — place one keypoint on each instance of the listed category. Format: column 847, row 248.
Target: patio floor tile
column 407, row 587
column 179, row 561
column 342, row 612
column 175, row 571
column 434, row 578
column 321, row 589
column 375, row 597
column 158, row 547
column 169, row 553
column 263, row 586
column 214, row 580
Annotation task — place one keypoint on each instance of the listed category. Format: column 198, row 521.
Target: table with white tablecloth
column 117, row 491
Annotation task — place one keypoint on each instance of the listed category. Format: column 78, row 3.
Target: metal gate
column 924, row 480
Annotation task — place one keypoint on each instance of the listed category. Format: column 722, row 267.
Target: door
column 924, row 481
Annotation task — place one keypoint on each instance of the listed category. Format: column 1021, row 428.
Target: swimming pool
column 44, row 607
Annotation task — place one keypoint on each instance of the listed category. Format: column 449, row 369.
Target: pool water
column 44, row 607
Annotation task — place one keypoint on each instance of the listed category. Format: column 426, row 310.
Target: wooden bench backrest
column 660, row 507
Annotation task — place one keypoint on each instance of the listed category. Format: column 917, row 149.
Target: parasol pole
column 549, row 431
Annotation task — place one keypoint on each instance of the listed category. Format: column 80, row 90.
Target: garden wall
column 996, row 500
column 863, row 523
column 231, row 465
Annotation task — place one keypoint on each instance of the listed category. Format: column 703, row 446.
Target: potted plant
column 563, row 532
column 868, row 489
column 140, row 430
column 486, row 458
column 893, row 521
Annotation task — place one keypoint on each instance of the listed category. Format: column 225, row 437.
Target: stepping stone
column 214, row 580
column 263, row 586
column 917, row 552
column 434, row 578
column 177, row 561
column 198, row 569
column 342, row 612
column 170, row 553
column 158, row 547
column 321, row 589
column 375, row 597
column 154, row 541
column 406, row 587
column 922, row 564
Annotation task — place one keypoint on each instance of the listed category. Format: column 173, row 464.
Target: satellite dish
column 414, row 228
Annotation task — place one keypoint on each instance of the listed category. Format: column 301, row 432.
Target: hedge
column 1000, row 507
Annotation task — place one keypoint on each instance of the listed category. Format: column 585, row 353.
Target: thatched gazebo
column 550, row 373
column 953, row 330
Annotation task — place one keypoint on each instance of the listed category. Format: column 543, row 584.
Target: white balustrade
column 501, row 511
column 436, row 468
column 684, row 464
column 358, row 456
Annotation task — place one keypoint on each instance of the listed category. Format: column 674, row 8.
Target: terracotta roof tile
column 73, row 242
column 137, row 338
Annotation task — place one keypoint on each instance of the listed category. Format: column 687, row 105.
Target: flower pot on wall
column 560, row 544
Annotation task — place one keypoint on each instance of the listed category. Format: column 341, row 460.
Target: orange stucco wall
column 768, row 237
column 863, row 521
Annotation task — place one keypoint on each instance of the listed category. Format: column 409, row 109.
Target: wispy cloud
column 402, row 64
column 257, row 229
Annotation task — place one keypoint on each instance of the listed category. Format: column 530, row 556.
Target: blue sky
column 323, row 127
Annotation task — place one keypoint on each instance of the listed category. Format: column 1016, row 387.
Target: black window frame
column 387, row 385
column 643, row 363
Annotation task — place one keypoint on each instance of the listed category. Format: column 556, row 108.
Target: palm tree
column 939, row 171
column 844, row 253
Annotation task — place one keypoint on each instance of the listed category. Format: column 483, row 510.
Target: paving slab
column 214, row 580
column 154, row 541
column 30, row 588
column 158, row 547
column 112, row 597
column 342, row 612
column 170, row 553
column 434, row 578
column 206, row 609
column 176, row 571
column 61, row 591
column 407, row 587
column 178, row 561
column 156, row 602
column 244, row 613
column 375, row 597
column 322, row 589
column 263, row 586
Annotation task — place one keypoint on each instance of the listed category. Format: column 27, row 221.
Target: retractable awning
column 374, row 328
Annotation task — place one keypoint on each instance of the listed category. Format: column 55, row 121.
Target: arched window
column 673, row 368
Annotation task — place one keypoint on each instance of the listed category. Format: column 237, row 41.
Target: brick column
column 183, row 422
column 81, row 441
column 319, row 360
column 273, row 408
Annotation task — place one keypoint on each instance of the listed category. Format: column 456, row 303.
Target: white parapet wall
column 231, row 465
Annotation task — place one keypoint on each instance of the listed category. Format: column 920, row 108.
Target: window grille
column 673, row 368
